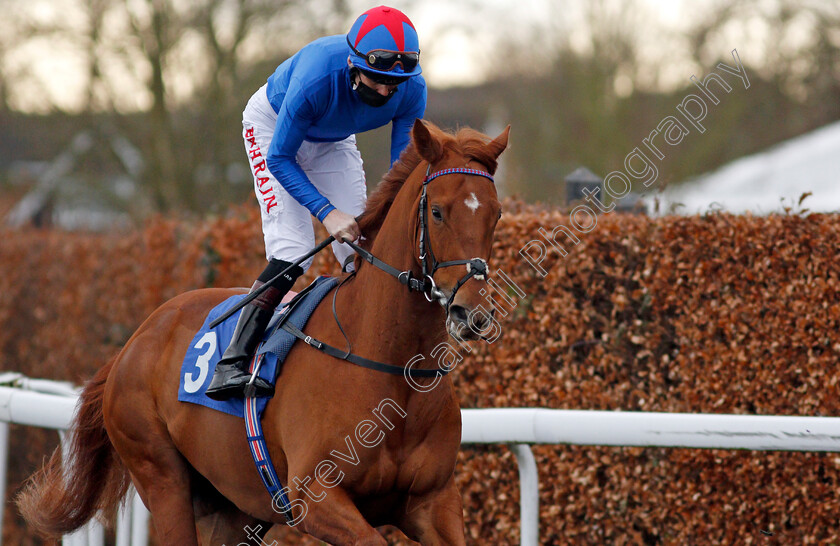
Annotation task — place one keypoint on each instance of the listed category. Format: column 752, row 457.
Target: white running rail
column 522, row 427
column 50, row 405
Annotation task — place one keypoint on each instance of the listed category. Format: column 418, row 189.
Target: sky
column 460, row 57
column 461, row 42
column 460, row 39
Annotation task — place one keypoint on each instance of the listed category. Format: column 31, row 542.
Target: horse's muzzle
column 466, row 325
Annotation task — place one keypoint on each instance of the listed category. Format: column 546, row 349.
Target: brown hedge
column 715, row 313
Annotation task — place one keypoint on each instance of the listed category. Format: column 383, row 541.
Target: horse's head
column 458, row 209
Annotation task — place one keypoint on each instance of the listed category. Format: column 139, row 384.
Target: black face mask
column 369, row 95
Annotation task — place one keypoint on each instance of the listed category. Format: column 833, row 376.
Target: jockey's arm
column 288, row 172
column 404, row 120
column 293, row 121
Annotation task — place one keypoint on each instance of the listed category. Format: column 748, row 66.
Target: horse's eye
column 436, row 214
column 500, row 215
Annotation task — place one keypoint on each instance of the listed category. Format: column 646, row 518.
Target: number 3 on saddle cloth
column 206, row 350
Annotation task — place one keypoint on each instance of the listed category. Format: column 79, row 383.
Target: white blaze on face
column 472, row 202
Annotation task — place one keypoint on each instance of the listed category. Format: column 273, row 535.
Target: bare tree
column 91, row 38
column 7, row 38
column 204, row 43
column 188, row 65
column 231, row 30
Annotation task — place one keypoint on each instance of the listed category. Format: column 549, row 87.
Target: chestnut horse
column 357, row 448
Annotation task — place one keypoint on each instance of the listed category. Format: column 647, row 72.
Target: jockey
column 299, row 131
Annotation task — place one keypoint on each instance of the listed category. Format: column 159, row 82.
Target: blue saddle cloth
column 207, row 347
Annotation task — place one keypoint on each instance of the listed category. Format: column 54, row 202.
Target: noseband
column 476, row 267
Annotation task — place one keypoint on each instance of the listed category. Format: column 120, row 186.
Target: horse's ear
column 425, row 143
column 498, row 144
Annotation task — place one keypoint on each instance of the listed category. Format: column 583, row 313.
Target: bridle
column 476, row 267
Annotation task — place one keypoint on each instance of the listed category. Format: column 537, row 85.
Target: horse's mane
column 380, row 201
column 467, row 142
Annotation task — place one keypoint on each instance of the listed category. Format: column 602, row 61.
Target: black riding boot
column 231, row 375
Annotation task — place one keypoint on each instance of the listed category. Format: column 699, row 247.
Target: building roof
column 768, row 181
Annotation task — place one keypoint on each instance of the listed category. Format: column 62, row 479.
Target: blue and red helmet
column 383, row 41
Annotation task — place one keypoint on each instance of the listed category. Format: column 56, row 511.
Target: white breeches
column 334, row 168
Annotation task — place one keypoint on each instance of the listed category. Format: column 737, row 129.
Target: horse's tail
column 68, row 491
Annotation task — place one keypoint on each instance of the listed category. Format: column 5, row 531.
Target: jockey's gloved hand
column 342, row 226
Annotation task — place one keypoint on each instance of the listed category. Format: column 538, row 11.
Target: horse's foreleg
column 336, row 520
column 435, row 518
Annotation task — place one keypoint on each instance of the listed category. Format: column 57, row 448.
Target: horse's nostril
column 458, row 313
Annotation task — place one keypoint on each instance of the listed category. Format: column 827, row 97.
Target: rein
column 476, row 267
column 348, row 354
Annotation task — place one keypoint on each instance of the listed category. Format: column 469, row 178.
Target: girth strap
column 359, row 360
column 260, row 454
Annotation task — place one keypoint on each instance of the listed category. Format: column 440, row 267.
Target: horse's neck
column 398, row 323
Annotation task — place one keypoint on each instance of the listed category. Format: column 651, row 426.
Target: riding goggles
column 385, row 60
column 376, row 77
